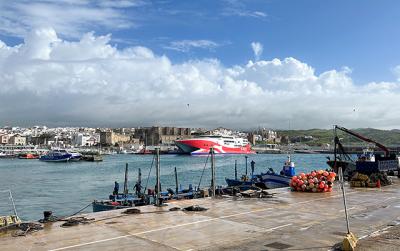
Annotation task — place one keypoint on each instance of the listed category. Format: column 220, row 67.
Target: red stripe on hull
column 202, row 146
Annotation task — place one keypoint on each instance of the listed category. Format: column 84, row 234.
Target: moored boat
column 275, row 180
column 75, row 156
column 92, row 157
column 268, row 180
column 4, row 155
column 56, row 156
column 28, row 156
column 222, row 145
column 118, row 202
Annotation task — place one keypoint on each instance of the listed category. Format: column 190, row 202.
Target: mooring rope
column 204, row 168
column 79, row 210
column 148, row 176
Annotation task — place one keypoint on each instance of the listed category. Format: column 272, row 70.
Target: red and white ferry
column 221, row 144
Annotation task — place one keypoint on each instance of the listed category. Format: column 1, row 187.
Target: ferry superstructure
column 201, row 145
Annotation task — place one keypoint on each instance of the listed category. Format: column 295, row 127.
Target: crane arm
column 384, row 148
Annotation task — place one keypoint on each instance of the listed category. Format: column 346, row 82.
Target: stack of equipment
column 316, row 181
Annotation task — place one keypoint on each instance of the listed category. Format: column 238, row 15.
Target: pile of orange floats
column 315, row 182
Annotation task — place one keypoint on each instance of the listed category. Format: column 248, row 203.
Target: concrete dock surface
column 288, row 221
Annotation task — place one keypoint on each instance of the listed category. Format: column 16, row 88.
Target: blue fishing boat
column 267, row 180
column 56, row 156
column 118, row 200
column 277, row 180
column 244, row 183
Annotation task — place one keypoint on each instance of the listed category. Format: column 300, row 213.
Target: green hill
column 322, row 136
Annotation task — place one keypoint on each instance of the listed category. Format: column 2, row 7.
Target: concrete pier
column 289, row 221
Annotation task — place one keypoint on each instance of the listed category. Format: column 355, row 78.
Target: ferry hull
column 202, row 147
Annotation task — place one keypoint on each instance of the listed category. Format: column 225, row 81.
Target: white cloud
column 71, row 18
column 238, row 8
column 257, row 49
column 187, row 45
column 396, row 72
column 90, row 82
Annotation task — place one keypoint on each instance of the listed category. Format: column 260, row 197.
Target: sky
column 238, row 64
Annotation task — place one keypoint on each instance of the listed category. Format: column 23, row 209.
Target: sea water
column 65, row 188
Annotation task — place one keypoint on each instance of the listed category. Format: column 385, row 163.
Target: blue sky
column 362, row 35
column 286, row 60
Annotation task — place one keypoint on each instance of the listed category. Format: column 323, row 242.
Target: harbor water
column 65, row 188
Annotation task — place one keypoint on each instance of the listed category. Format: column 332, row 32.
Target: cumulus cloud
column 51, row 80
column 71, row 18
column 187, row 45
column 257, row 49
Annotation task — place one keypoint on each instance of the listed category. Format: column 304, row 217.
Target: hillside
column 322, row 136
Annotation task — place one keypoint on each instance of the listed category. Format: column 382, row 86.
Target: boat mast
column 212, row 172
column 235, row 169
column 176, row 182
column 126, row 180
column 246, row 164
column 140, row 177
column 158, row 176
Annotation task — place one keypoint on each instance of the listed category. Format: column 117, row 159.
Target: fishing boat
column 4, row 155
column 274, row 180
column 366, row 163
column 118, row 200
column 222, row 145
column 56, row 156
column 245, row 182
column 268, row 180
column 92, row 157
column 75, row 156
column 125, row 200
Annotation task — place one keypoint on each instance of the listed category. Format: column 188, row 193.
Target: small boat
column 267, row 180
column 118, row 200
column 275, row 180
column 75, row 156
column 4, row 155
column 56, row 156
column 28, row 156
column 144, row 151
column 243, row 181
column 92, row 157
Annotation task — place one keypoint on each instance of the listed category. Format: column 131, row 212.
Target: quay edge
column 290, row 220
